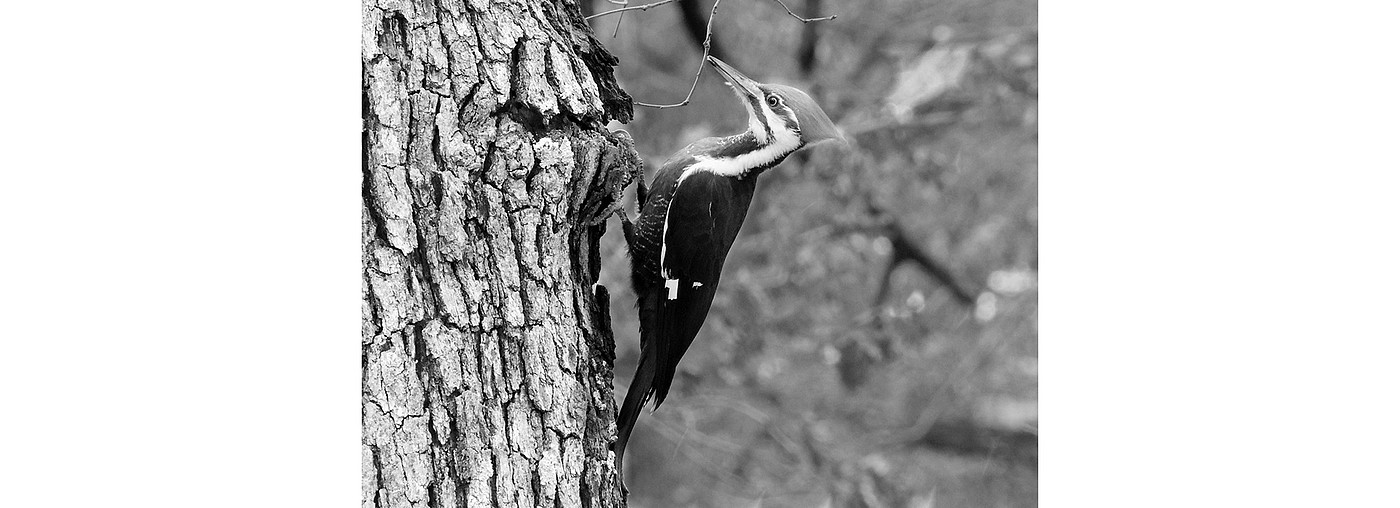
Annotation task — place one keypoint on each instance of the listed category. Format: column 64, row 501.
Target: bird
column 688, row 221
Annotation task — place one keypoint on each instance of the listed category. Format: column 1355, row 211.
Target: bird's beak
column 745, row 87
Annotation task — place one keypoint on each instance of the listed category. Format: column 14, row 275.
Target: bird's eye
column 772, row 101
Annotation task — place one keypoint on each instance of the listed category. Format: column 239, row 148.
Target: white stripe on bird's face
column 783, row 142
column 755, row 124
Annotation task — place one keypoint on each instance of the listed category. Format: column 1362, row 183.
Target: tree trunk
column 487, row 350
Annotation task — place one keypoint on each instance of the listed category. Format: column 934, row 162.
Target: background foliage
column 806, row 387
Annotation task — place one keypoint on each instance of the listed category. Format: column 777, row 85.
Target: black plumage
column 688, row 221
column 698, row 220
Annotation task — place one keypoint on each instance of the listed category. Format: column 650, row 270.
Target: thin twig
column 704, row 55
column 802, row 19
column 632, row 8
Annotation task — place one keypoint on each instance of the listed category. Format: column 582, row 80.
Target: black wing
column 705, row 215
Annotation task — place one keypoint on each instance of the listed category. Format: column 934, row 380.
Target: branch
column 802, row 19
column 961, row 437
column 807, row 50
column 700, row 68
column 632, row 8
column 704, row 54
column 906, row 249
column 693, row 16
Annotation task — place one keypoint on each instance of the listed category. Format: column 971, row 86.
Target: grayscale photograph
column 776, row 253
column 699, row 253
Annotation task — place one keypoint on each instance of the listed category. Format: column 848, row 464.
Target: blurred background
column 874, row 339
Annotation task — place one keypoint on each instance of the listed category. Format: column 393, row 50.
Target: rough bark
column 487, row 351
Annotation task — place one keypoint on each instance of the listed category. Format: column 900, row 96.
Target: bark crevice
column 487, row 351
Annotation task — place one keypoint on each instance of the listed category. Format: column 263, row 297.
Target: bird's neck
column 742, row 155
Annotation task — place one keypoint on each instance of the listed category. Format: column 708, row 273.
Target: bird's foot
column 629, row 231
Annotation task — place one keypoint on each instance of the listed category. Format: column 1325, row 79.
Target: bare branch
column 632, row 8
column 802, row 19
column 704, row 55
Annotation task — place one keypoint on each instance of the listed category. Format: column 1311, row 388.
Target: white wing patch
column 672, row 286
column 665, row 225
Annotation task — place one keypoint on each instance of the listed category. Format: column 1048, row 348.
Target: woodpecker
column 689, row 219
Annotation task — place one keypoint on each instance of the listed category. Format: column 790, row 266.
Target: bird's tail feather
column 631, row 409
column 641, row 388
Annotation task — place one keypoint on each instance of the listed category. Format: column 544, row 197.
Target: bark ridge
column 487, row 351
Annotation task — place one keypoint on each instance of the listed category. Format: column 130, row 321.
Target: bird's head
column 778, row 114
